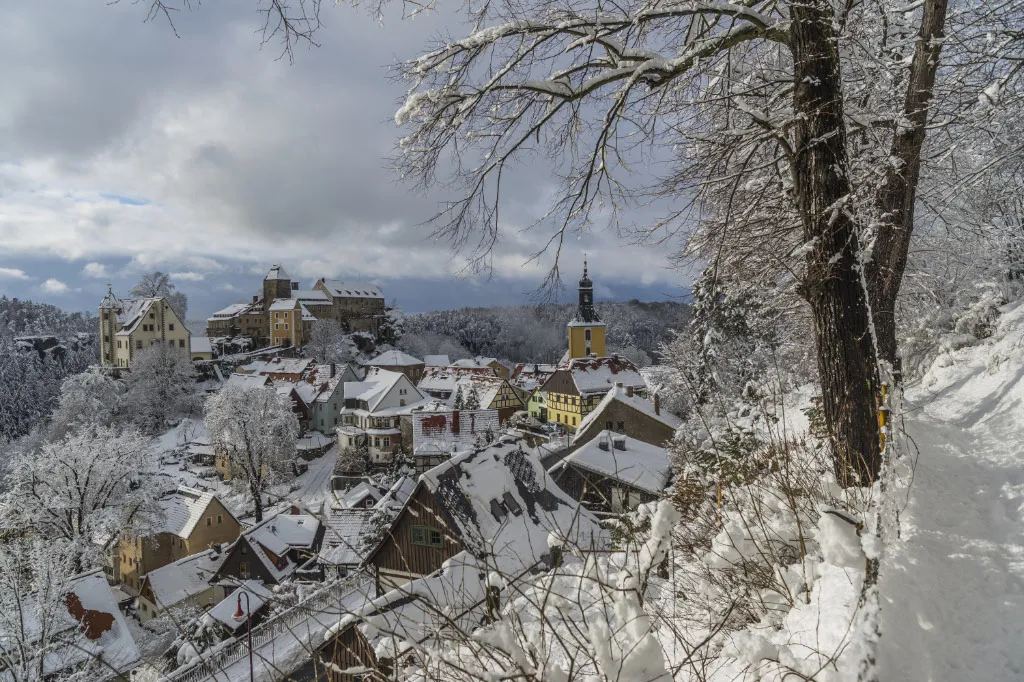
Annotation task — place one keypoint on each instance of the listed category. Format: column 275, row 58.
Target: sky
column 125, row 148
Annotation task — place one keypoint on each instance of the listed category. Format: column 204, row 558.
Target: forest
column 635, row 329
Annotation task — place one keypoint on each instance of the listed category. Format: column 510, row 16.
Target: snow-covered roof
column 394, row 358
column 248, row 381
column 618, row 393
column 311, row 297
column 375, row 387
column 224, row 612
column 478, row 361
column 314, row 440
column 443, row 379
column 531, row 375
column 201, row 344
column 344, row 536
column 506, row 506
column 277, row 366
column 132, row 312
column 183, row 509
column 633, row 462
column 279, row 534
column 104, row 633
column 277, row 272
column 398, row 494
column 486, row 387
column 448, row 432
column 352, row 497
column 284, row 304
column 185, row 578
column 232, row 310
column 283, row 532
column 598, row 375
column 436, row 360
column 342, row 289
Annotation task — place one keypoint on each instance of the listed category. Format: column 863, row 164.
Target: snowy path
column 953, row 592
column 315, row 483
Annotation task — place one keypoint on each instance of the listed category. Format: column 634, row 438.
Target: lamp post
column 247, row 616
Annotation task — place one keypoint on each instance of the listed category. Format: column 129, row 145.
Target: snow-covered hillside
column 953, row 586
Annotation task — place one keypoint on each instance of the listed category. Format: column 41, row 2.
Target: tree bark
column 896, row 199
column 833, row 286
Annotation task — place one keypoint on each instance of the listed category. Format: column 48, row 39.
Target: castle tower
column 109, row 308
column 586, row 330
column 277, row 284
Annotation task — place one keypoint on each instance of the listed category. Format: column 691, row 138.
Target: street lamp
column 246, row 615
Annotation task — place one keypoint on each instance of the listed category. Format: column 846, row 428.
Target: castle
column 284, row 314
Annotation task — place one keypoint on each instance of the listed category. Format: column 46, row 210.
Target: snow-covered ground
column 953, row 587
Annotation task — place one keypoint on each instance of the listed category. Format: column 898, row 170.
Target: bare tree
column 159, row 284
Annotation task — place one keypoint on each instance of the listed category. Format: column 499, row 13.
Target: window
column 387, row 441
column 286, row 326
column 220, row 518
column 171, row 327
column 586, row 334
column 574, row 421
column 276, row 326
column 243, row 569
column 118, row 343
column 209, row 520
column 425, row 536
column 181, row 343
column 138, row 344
column 621, row 427
column 608, row 426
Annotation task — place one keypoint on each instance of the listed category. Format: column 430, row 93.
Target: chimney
column 620, row 443
column 334, row 368
column 255, row 299
column 657, row 404
column 629, row 391
column 455, row 423
column 603, row 444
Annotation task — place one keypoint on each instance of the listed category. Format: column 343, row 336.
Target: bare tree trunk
column 895, row 200
column 846, row 358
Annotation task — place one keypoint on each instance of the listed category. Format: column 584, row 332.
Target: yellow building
column 586, row 330
column 130, row 325
column 193, row 521
column 586, row 374
column 290, row 322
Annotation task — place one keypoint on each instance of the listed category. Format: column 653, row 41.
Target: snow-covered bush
column 256, row 430
column 161, row 387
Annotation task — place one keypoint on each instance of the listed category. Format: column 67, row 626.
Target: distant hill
column 27, row 318
column 537, row 333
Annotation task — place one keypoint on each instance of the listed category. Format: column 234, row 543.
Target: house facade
column 371, row 416
column 185, row 582
column 273, row 550
column 128, row 326
column 193, row 522
column 613, row 473
column 576, row 388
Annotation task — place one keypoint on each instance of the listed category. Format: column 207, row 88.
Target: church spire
column 585, row 312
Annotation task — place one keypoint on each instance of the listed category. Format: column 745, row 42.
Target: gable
column 560, row 382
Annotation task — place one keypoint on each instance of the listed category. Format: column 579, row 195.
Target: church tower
column 586, row 330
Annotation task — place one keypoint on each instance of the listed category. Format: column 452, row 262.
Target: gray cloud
column 120, row 140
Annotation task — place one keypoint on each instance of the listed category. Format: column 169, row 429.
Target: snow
column 442, row 380
column 354, row 497
column 248, row 381
column 283, row 304
column 295, row 366
column 314, row 484
column 394, row 358
column 185, row 578
column 277, row 272
column 225, row 611
column 435, row 432
column 953, row 587
column 641, row 464
column 231, row 311
column 201, row 344
column 598, row 375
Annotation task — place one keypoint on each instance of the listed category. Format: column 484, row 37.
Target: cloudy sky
column 124, row 148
